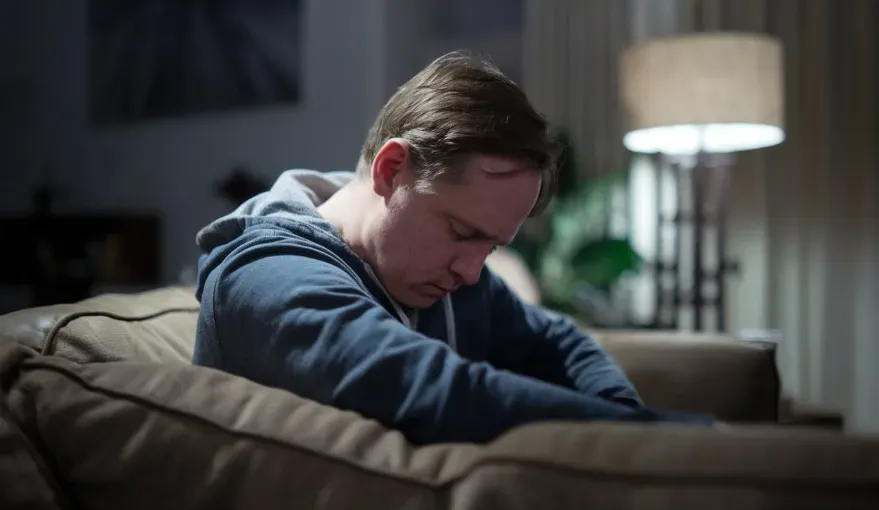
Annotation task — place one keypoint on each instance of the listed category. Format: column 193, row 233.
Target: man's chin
column 421, row 300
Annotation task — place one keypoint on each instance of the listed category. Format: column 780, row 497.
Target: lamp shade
column 711, row 92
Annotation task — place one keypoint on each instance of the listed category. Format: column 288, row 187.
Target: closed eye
column 463, row 236
column 460, row 233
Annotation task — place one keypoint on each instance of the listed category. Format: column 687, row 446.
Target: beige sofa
column 102, row 409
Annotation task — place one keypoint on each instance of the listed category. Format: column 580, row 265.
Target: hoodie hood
column 295, row 194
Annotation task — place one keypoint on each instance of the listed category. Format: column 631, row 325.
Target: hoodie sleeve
column 529, row 339
column 285, row 313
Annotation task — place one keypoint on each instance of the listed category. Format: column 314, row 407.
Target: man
column 366, row 291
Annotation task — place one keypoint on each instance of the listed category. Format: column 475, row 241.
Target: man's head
column 458, row 160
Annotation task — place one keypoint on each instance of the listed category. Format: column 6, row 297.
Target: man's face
column 428, row 244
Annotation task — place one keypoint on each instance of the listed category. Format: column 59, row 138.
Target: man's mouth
column 442, row 290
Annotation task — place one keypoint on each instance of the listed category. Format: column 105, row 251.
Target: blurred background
column 128, row 125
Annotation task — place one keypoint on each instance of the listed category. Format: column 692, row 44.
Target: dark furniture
column 62, row 257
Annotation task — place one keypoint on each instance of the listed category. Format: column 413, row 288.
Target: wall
column 422, row 30
column 170, row 166
column 407, row 23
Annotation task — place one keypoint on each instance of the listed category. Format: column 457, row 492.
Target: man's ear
column 391, row 167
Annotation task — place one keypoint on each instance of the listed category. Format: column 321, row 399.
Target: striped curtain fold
column 815, row 197
column 570, row 67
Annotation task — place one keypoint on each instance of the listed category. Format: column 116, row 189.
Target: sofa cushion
column 734, row 380
column 510, row 267
column 158, row 325
column 25, row 484
column 25, row 478
column 176, row 436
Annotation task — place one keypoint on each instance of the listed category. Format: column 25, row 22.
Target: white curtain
column 804, row 214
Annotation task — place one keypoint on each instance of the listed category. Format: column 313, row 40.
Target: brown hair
column 459, row 106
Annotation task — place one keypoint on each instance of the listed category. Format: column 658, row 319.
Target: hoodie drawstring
column 412, row 323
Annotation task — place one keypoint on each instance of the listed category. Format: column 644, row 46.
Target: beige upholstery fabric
column 126, row 435
column 732, row 379
column 511, row 269
column 151, row 326
column 25, row 479
column 24, row 483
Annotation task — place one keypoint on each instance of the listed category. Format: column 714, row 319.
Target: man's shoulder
column 272, row 251
column 303, row 229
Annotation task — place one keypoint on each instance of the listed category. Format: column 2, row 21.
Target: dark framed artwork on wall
column 151, row 59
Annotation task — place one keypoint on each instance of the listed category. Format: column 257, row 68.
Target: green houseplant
column 569, row 249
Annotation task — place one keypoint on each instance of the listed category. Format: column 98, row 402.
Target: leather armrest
column 734, row 380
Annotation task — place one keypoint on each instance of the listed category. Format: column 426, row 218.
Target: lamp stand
column 702, row 204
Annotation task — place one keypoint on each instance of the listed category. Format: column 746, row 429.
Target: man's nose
column 468, row 267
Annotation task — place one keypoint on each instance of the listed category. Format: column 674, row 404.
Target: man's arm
column 531, row 340
column 287, row 316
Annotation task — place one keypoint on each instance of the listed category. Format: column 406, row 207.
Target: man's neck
column 349, row 210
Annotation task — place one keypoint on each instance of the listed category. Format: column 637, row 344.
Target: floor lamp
column 693, row 101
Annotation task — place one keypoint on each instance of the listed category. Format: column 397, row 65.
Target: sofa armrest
column 734, row 380
column 800, row 414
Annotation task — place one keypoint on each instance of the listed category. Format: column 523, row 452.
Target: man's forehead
column 490, row 165
column 493, row 204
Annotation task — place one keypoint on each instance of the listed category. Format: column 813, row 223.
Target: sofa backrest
column 148, row 435
column 733, row 380
column 154, row 326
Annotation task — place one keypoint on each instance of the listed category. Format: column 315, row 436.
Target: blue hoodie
column 286, row 303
